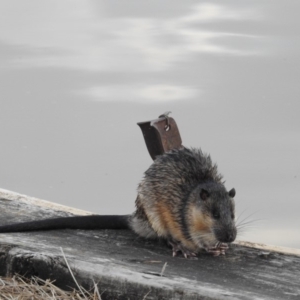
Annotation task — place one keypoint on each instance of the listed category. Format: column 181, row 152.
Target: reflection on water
column 76, row 77
column 145, row 93
column 83, row 36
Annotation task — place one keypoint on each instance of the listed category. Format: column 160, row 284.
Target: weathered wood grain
column 128, row 267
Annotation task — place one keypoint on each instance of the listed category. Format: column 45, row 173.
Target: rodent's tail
column 78, row 222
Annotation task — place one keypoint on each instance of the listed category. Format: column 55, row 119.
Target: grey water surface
column 76, row 77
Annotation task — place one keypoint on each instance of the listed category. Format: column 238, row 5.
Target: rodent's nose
column 230, row 237
column 226, row 235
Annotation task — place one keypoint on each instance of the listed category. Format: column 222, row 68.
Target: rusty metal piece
column 161, row 135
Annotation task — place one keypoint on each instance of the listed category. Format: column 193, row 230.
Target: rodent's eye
column 232, row 214
column 216, row 215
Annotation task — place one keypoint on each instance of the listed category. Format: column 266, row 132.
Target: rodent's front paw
column 177, row 247
column 218, row 249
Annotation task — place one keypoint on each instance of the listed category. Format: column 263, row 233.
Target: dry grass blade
column 19, row 288
column 96, row 291
column 163, row 269
column 147, row 295
column 62, row 251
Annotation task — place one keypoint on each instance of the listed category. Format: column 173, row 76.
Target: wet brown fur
column 168, row 203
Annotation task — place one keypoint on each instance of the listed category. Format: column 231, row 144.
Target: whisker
column 246, row 222
column 239, row 229
column 240, row 215
column 246, row 218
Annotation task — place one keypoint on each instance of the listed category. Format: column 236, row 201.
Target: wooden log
column 127, row 267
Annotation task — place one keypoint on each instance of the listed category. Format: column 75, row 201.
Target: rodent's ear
column 231, row 193
column 204, row 194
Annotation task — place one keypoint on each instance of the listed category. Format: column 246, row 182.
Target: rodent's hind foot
column 218, row 249
column 177, row 247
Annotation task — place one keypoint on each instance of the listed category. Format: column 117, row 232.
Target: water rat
column 181, row 199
